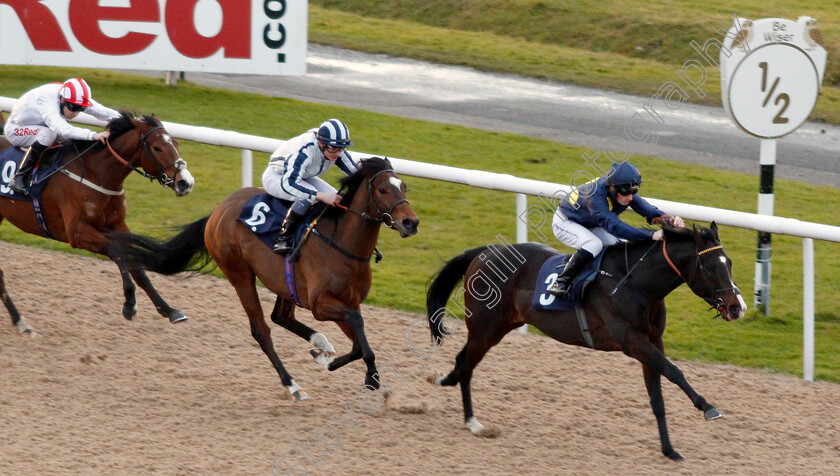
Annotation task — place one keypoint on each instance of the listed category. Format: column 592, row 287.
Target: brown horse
column 624, row 306
column 332, row 275
column 87, row 199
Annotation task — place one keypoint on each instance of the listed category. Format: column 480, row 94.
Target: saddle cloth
column 543, row 301
column 10, row 158
column 264, row 215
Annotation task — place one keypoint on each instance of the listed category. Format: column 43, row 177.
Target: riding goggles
column 627, row 190
column 74, row 107
column 333, row 149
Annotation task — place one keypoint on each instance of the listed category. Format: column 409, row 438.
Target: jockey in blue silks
column 293, row 170
column 587, row 220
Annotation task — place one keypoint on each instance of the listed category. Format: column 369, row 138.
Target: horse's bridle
column 384, row 217
column 162, row 178
column 718, row 303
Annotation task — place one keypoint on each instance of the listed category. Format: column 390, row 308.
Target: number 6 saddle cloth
column 264, row 215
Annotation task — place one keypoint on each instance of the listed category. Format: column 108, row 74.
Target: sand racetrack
column 95, row 394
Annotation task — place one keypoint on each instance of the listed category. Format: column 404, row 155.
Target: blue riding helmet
column 335, row 133
column 624, row 173
column 625, row 179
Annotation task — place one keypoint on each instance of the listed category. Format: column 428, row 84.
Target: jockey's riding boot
column 562, row 285
column 20, row 183
column 284, row 239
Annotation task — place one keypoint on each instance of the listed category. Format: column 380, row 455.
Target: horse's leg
column 162, row 307
column 129, row 309
column 354, row 354
column 354, row 318
column 466, row 361
column 130, row 306
column 657, row 403
column 17, row 320
column 284, row 315
column 354, row 328
column 246, row 289
column 640, row 347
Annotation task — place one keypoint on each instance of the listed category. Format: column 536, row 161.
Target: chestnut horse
column 332, row 274
column 87, row 199
column 624, row 307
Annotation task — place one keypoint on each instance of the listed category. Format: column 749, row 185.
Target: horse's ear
column 698, row 236
column 714, row 229
column 388, row 162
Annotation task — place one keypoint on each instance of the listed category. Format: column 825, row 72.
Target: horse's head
column 386, row 196
column 709, row 271
column 158, row 153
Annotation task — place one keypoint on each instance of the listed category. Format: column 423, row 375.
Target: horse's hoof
column 434, row 378
column 712, row 414
column 300, row 396
column 480, row 430
column 673, row 455
column 372, row 382
column 321, row 343
column 129, row 312
column 322, row 357
column 177, row 316
column 24, row 328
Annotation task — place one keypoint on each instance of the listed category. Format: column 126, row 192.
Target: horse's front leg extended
column 638, row 346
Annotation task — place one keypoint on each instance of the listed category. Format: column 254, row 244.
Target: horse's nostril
column 410, row 224
column 182, row 186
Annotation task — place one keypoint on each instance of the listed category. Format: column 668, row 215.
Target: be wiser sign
column 221, row 36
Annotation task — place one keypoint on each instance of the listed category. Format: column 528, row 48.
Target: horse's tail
column 443, row 284
column 185, row 251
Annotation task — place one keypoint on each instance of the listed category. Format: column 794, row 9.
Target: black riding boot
column 284, row 239
column 20, row 183
column 562, row 285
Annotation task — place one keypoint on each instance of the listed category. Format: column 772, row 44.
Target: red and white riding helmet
column 77, row 91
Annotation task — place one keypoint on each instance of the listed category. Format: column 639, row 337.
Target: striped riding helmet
column 335, row 133
column 76, row 91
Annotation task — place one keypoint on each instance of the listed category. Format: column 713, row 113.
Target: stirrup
column 282, row 247
column 562, row 292
column 19, row 188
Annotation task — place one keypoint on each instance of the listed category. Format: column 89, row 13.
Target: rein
column 162, row 178
column 719, row 303
column 626, row 276
column 384, row 218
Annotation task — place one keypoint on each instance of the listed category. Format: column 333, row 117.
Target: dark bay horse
column 332, row 274
column 86, row 199
column 625, row 315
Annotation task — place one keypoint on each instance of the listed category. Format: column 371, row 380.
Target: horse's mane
column 126, row 122
column 350, row 184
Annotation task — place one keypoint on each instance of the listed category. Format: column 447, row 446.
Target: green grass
column 628, row 46
column 456, row 217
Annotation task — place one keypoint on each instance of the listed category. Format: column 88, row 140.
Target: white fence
column 477, row 178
